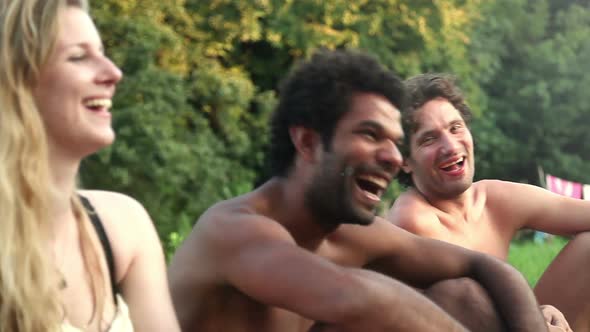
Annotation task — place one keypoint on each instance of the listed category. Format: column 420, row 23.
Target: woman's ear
column 306, row 142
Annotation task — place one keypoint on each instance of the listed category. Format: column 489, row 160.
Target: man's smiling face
column 360, row 162
column 441, row 158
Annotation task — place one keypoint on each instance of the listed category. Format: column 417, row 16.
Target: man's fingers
column 553, row 328
column 562, row 322
column 555, row 318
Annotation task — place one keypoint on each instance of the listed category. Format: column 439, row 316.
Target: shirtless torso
column 244, row 269
column 487, row 216
column 481, row 227
column 492, row 212
column 444, row 203
column 219, row 305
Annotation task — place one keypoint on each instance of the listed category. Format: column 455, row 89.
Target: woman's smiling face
column 75, row 88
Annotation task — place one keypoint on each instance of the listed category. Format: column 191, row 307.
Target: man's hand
column 555, row 319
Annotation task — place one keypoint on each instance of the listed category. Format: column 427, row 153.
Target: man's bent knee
column 468, row 302
column 564, row 283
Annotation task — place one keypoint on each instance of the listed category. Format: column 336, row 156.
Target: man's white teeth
column 452, row 162
column 377, row 181
column 107, row 103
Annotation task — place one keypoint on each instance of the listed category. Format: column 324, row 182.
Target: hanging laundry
column 563, row 187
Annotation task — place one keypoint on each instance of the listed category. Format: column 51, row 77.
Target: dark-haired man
column 443, row 203
column 277, row 259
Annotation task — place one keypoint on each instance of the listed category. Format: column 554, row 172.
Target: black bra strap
column 104, row 241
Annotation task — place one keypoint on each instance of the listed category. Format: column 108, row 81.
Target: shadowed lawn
column 532, row 258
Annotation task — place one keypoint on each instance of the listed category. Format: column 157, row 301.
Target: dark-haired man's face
column 441, row 158
column 362, row 159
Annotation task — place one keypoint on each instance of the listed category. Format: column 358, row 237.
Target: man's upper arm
column 417, row 260
column 260, row 258
column 533, row 207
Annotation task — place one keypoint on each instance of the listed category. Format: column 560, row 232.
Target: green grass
column 532, row 258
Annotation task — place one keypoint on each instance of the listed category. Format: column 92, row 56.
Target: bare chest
column 481, row 232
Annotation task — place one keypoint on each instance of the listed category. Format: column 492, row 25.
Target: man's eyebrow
column 370, row 123
column 377, row 126
column 419, row 134
column 461, row 121
column 431, row 132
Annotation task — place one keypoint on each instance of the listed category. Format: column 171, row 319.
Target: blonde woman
column 69, row 260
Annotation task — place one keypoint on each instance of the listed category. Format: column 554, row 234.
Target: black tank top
column 104, row 241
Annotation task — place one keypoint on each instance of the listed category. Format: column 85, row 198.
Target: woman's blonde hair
column 30, row 298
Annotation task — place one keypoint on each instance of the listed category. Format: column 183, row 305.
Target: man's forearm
column 511, row 294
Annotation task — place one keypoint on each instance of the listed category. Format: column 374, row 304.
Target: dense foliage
column 201, row 78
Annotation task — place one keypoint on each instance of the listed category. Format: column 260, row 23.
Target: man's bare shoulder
column 223, row 230
column 505, row 192
column 518, row 205
column 493, row 185
column 231, row 222
column 499, row 185
column 412, row 212
column 241, row 218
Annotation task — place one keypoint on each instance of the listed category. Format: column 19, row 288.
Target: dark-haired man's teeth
column 380, row 182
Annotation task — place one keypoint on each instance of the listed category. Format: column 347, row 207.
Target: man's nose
column 449, row 143
column 389, row 154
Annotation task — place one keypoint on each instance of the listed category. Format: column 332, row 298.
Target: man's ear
column 306, row 142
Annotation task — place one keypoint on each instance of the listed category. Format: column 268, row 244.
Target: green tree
column 201, row 78
column 537, row 98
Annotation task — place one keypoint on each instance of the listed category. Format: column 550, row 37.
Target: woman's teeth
column 107, row 103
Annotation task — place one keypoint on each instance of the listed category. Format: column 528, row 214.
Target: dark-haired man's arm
column 260, row 259
column 422, row 262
